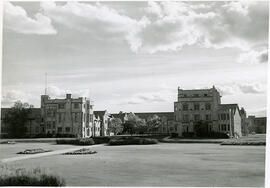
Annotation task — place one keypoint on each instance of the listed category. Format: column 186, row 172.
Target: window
column 208, row 117
column 76, row 105
column 59, row 117
column 228, row 127
column 61, row 106
column 185, row 95
column 37, row 129
column 185, row 107
column 59, row 129
column 84, row 117
column 196, row 95
column 53, row 124
column 186, row 117
column 196, row 106
column 197, row 117
column 48, row 125
column 67, row 129
column 205, row 95
column 228, row 116
column 208, row 106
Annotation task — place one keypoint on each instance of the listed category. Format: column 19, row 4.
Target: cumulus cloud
column 17, row 20
column 248, row 88
column 170, row 26
column 97, row 19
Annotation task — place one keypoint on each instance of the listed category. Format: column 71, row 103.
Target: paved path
column 30, row 156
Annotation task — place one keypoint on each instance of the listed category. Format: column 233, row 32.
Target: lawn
column 164, row 164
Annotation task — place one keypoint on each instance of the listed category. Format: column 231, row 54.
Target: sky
column 132, row 56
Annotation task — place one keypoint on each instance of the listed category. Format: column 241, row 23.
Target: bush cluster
column 81, row 141
column 33, row 177
column 101, row 139
column 188, row 134
column 132, row 141
column 213, row 135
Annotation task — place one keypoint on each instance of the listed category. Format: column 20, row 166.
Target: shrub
column 132, row 141
column 81, row 141
column 101, row 139
column 33, row 177
column 213, row 135
column 188, row 134
column 174, row 135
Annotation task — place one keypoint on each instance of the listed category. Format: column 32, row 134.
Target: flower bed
column 33, row 151
column 83, row 151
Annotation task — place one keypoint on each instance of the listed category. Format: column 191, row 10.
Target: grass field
column 164, row 164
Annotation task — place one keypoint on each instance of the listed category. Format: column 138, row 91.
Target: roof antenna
column 46, row 83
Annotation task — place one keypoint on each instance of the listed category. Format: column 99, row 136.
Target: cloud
column 212, row 25
column 17, row 20
column 170, row 26
column 11, row 96
column 143, row 98
column 163, row 26
column 246, row 88
column 254, row 57
column 97, row 19
column 57, row 92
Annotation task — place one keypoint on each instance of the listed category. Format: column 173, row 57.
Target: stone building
column 102, row 118
column 205, row 105
column 69, row 116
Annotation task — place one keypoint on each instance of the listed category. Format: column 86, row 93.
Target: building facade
column 205, row 105
column 103, row 118
column 69, row 116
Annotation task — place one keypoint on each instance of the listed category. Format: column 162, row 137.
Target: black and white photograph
column 134, row 93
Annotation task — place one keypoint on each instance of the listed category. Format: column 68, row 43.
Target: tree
column 115, row 126
column 16, row 118
column 132, row 123
column 129, row 127
column 141, row 126
column 154, row 123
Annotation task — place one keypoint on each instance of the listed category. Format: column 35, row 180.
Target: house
column 68, row 116
column 193, row 106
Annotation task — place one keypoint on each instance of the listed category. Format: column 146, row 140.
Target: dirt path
column 31, row 156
